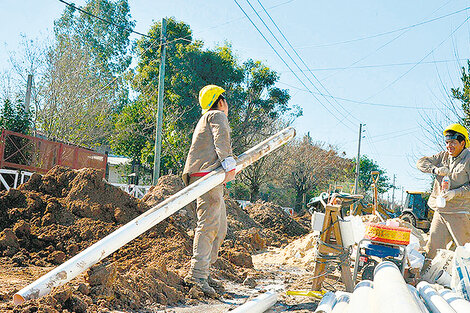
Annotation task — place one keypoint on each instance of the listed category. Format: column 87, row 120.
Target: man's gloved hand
column 449, row 195
column 441, row 171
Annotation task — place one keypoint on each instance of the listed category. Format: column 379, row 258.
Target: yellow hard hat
column 458, row 129
column 208, row 95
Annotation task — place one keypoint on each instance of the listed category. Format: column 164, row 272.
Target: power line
column 385, row 65
column 288, row 66
column 368, row 103
column 422, row 59
column 303, row 62
column 384, row 33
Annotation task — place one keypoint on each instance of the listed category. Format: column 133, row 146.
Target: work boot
column 201, row 283
column 214, row 283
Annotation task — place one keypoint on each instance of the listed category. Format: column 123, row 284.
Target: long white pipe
column 415, row 294
column 391, row 295
column 459, row 304
column 434, row 302
column 327, row 303
column 361, row 298
column 258, row 304
column 342, row 302
column 101, row 249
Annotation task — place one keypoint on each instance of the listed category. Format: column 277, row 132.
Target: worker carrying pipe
column 450, row 199
column 210, row 148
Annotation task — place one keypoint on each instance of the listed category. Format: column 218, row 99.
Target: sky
column 386, row 64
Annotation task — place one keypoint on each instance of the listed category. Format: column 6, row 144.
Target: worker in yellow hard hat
column 451, row 219
column 210, row 148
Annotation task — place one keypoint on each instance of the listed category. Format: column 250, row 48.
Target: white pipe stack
column 434, row 302
column 361, row 298
column 391, row 295
column 459, row 304
column 415, row 294
column 342, row 302
column 101, row 249
column 258, row 304
column 327, row 303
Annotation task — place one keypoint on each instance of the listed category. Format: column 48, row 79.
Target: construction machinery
column 416, row 210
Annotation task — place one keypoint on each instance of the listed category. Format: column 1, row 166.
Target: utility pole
column 393, row 192
column 161, row 88
column 356, row 182
column 27, row 99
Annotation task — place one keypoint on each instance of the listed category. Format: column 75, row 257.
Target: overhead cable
column 384, row 33
column 288, row 66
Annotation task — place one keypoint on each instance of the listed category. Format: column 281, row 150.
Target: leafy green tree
column 366, row 167
column 463, row 95
column 14, row 117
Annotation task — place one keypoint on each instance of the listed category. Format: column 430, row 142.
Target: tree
column 366, row 167
column 14, row 117
column 79, row 100
column 311, row 166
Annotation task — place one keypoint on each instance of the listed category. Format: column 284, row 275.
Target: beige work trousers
column 210, row 230
column 446, row 227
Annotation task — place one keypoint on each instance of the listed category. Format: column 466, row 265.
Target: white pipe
column 415, row 294
column 459, row 304
column 327, row 303
column 258, row 304
column 391, row 295
column 147, row 220
column 361, row 298
column 434, row 302
column 342, row 302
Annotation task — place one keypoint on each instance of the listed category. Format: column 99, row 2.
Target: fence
column 33, row 154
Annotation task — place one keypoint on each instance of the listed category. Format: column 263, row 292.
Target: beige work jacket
column 210, row 144
column 459, row 179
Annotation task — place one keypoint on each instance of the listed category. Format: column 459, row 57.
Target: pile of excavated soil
column 279, row 227
column 53, row 217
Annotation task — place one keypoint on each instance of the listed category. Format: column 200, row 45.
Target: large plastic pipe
column 361, row 298
column 434, row 302
column 101, row 249
column 327, row 303
column 342, row 302
column 258, row 304
column 415, row 294
column 459, row 304
column 391, row 295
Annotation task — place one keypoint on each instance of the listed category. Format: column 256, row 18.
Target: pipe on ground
column 342, row 302
column 361, row 298
column 101, row 249
column 327, row 303
column 258, row 304
column 391, row 295
column 415, row 294
column 434, row 302
column 459, row 304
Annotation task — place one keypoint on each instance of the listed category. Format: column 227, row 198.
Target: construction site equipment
column 391, row 293
column 416, row 210
column 13, row 178
column 388, row 234
column 327, row 303
column 433, row 301
column 259, row 304
column 330, row 249
column 367, row 249
column 34, row 154
column 147, row 220
column 361, row 298
column 456, row 302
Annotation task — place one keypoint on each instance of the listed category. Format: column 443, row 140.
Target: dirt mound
column 278, row 225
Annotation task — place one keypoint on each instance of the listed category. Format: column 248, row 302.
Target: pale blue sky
column 412, row 68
